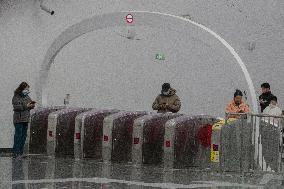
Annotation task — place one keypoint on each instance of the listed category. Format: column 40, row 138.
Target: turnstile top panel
column 68, row 110
column 141, row 120
column 95, row 112
column 123, row 114
column 186, row 118
column 44, row 109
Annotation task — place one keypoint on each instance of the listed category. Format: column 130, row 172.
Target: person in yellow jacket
column 167, row 101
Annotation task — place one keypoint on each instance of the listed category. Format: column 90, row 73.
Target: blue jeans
column 20, row 137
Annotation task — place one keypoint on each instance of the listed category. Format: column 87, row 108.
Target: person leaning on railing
column 237, row 106
column 273, row 109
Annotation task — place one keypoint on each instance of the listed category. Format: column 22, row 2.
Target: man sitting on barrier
column 237, row 106
column 167, row 101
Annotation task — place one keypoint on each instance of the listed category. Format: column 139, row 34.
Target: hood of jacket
column 171, row 92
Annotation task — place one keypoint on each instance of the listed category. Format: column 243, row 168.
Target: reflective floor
column 39, row 172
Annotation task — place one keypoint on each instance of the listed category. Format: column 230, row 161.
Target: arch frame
column 154, row 19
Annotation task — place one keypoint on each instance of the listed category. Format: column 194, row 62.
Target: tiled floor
column 40, row 172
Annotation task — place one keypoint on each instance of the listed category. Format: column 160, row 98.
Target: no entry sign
column 129, row 18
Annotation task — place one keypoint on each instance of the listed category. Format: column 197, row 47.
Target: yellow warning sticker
column 215, row 156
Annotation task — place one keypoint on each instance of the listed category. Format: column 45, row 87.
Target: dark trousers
column 20, row 137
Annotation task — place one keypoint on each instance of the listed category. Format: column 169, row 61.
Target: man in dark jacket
column 265, row 97
column 167, row 101
column 22, row 104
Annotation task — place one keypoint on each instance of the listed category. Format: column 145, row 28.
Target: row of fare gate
column 171, row 139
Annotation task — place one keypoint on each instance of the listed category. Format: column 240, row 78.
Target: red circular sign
column 129, row 18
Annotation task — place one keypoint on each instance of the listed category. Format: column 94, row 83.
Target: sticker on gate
column 214, row 153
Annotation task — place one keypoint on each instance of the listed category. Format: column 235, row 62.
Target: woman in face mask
column 22, row 104
column 273, row 109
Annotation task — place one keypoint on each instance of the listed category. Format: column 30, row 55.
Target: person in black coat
column 265, row 97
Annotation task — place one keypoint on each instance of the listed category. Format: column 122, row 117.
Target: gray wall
column 103, row 69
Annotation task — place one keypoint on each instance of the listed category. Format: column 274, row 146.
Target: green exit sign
column 160, row 56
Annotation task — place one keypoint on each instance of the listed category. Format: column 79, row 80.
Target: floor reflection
column 40, row 172
column 18, row 173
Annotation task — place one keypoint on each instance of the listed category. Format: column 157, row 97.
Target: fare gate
column 117, row 136
column 89, row 133
column 61, row 128
column 38, row 129
column 148, row 138
column 187, row 141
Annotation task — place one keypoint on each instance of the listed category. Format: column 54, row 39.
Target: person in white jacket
column 273, row 109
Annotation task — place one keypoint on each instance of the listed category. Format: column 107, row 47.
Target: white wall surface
column 103, row 69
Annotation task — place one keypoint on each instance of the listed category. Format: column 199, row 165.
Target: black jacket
column 266, row 97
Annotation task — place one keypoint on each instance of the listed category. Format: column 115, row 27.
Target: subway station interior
column 97, row 72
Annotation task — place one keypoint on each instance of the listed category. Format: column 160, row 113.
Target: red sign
column 78, row 136
column 168, row 143
column 136, row 141
column 129, row 18
column 105, row 138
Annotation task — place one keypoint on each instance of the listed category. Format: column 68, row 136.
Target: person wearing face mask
column 167, row 101
column 22, row 104
column 237, row 105
column 273, row 109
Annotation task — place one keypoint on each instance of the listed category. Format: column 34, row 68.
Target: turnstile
column 187, row 141
column 38, row 129
column 148, row 138
column 117, row 135
column 61, row 128
column 89, row 133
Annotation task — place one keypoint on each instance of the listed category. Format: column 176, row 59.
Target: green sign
column 160, row 56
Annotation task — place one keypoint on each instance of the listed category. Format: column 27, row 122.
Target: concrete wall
column 103, row 69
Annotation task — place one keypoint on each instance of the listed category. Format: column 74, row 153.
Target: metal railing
column 266, row 139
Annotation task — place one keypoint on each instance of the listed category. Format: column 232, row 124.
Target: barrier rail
column 254, row 142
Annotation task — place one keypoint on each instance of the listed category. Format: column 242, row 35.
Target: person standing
column 167, row 101
column 265, row 97
column 22, row 104
column 237, row 105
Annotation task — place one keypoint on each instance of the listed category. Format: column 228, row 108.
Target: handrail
column 253, row 114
